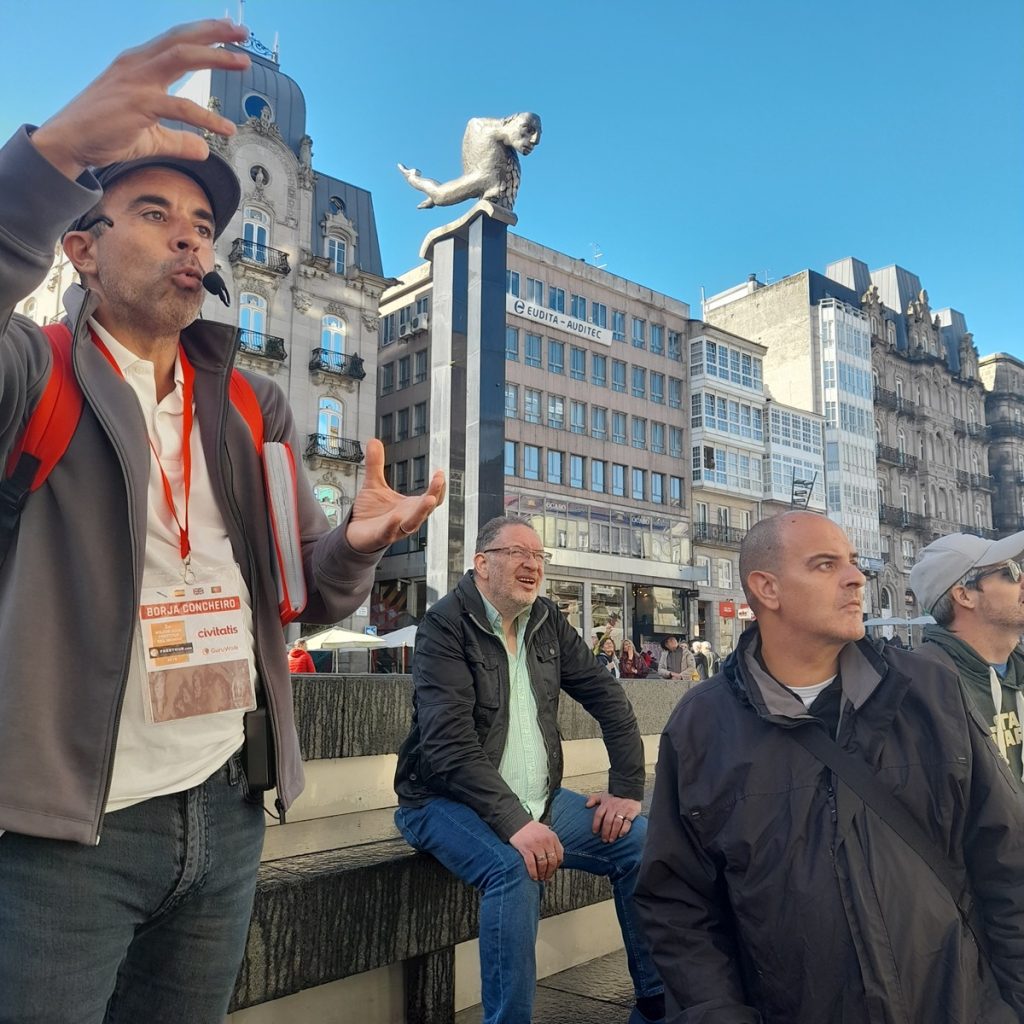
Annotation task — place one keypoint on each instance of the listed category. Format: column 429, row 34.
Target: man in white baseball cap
column 975, row 590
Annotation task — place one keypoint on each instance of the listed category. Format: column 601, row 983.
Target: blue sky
column 691, row 142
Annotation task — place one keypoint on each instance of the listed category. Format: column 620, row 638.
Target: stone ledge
column 363, row 715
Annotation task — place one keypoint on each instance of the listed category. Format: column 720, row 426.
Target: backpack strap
column 47, row 434
column 244, row 399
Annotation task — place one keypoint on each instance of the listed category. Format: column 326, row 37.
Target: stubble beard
column 159, row 308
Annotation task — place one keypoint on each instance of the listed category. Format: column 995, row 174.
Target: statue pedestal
column 467, row 384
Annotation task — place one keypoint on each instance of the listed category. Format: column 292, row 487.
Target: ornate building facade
column 1003, row 376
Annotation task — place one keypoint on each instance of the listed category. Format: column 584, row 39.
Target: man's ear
column 764, row 588
column 79, row 248
column 963, row 597
column 480, row 565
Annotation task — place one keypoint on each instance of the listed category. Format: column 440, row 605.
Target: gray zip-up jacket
column 70, row 584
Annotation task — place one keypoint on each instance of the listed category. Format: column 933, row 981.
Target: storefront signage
column 552, row 318
column 727, row 609
column 745, row 612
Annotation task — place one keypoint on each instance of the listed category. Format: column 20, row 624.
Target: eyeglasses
column 518, row 554
column 1010, row 569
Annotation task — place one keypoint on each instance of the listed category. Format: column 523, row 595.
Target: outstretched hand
column 117, row 116
column 380, row 515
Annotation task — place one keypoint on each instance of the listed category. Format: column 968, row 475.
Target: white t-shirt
column 809, row 694
column 170, row 757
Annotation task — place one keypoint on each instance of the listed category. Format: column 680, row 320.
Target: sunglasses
column 1010, row 570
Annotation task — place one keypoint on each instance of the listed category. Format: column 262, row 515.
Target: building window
column 335, row 251
column 512, row 282
column 675, row 491
column 556, row 461
column 556, row 299
column 619, row 427
column 329, row 499
column 618, row 376
column 387, row 378
column 531, row 462
column 599, row 370
column 618, row 480
column 511, row 344
column 578, row 417
column 599, row 314
column 387, row 428
column 639, row 382
column 329, row 416
column 578, row 363
column 556, row 412
column 675, row 393
column 531, row 406
column 658, row 438
column 578, row 308
column 639, row 333
column 638, row 490
column 597, row 475
column 510, row 458
column 255, row 234
column 598, row 422
column 402, row 425
column 400, row 473
column 419, row 472
column 658, row 388
column 658, row 488
column 420, row 373
column 576, row 471
column 675, row 346
column 404, row 372
column 556, row 356
column 657, row 339
column 639, row 432
column 535, row 291
column 511, row 401
column 252, row 320
column 419, row 419
column 725, row 573
column 533, row 350
column 675, row 442
column 618, row 325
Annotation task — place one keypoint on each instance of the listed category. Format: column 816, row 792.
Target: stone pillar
column 467, row 384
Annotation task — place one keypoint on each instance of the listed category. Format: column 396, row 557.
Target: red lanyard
column 189, row 376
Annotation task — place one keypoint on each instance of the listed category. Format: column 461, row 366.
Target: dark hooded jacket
column 461, row 706
column 771, row 894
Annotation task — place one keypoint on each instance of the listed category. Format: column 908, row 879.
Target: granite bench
column 357, row 897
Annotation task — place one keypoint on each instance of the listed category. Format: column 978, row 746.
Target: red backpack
column 52, row 424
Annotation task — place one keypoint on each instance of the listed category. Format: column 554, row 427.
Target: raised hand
column 117, row 116
column 380, row 515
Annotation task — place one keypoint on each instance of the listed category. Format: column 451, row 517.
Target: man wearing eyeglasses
column 479, row 777
column 975, row 591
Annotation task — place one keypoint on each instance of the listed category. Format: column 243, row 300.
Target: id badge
column 196, row 645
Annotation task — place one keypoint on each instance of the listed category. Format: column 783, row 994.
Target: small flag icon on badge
column 215, row 590
column 180, row 593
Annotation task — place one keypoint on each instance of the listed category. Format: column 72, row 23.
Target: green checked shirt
column 524, row 762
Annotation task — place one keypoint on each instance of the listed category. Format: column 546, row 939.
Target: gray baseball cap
column 946, row 560
column 213, row 175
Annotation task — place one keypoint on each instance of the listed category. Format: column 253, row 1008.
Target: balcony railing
column 893, row 515
column 1005, row 428
column 896, row 457
column 254, row 343
column 885, row 398
column 718, row 534
column 963, row 478
column 345, row 365
column 976, row 429
column 978, row 531
column 327, row 446
column 959, row 426
column 982, row 482
column 252, row 254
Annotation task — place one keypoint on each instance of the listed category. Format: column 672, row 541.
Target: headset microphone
column 215, row 285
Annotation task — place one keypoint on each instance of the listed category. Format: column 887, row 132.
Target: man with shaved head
column 774, row 889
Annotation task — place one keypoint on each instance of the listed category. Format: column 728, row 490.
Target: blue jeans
column 510, row 899
column 150, row 925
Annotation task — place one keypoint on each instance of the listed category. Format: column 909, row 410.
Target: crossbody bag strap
column 856, row 774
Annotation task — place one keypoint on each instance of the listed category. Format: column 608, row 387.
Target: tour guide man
column 129, row 860
column 770, row 891
column 479, row 777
